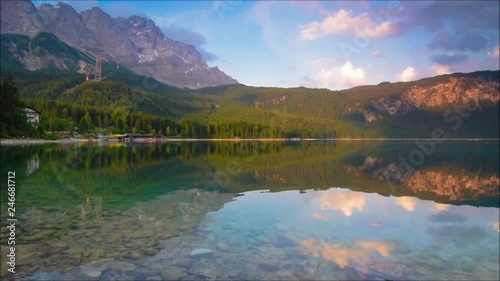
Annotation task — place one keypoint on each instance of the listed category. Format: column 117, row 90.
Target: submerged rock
column 172, row 273
column 182, row 263
column 74, row 251
column 90, row 273
column 97, row 253
column 136, row 254
column 201, row 252
column 234, row 274
column 93, row 274
column 208, row 273
column 223, row 246
column 123, row 266
column 380, row 269
column 283, row 241
column 102, row 264
column 269, row 266
column 41, row 235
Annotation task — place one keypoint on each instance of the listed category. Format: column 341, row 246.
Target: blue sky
column 327, row 44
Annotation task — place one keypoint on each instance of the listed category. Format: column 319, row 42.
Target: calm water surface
column 254, row 211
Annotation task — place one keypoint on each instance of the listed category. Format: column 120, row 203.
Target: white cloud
column 441, row 69
column 342, row 22
column 340, row 78
column 377, row 54
column 320, row 61
column 408, row 74
column 495, row 53
column 309, row 31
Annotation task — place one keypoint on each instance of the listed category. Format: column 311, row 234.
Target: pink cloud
column 408, row 74
column 343, row 21
column 377, row 54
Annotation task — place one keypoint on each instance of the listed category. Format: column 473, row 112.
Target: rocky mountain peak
column 19, row 17
column 134, row 42
column 96, row 17
column 61, row 6
column 19, row 7
column 63, row 21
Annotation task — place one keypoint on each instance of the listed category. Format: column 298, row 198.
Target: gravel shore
column 37, row 141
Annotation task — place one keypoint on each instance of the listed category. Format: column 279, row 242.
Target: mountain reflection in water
column 277, row 210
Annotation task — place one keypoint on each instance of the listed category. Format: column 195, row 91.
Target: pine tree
column 12, row 116
column 85, row 123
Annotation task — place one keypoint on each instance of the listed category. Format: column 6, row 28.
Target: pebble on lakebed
column 201, row 253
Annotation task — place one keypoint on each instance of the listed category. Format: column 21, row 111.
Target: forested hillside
column 463, row 105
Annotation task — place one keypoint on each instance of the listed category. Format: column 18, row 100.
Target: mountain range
column 48, row 49
column 134, row 42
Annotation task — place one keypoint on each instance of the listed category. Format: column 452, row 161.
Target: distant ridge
column 134, row 42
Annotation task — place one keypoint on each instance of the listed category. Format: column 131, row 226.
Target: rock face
column 134, row 42
column 63, row 21
column 454, row 91
column 20, row 17
column 433, row 94
column 42, row 51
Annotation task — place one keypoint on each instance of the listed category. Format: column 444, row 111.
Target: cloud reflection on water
column 342, row 200
column 408, row 203
column 438, row 207
column 319, row 216
column 360, row 252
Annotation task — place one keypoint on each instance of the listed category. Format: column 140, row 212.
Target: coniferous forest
column 124, row 103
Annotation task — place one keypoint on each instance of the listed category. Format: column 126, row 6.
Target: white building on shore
column 32, row 115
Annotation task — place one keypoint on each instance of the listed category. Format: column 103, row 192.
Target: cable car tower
column 98, row 68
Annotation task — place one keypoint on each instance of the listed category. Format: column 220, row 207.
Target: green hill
column 463, row 105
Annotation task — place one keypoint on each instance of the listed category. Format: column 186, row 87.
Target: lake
column 308, row 210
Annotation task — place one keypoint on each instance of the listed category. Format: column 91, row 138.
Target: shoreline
column 341, row 139
column 12, row 142
column 37, row 141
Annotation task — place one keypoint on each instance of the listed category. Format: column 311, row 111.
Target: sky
column 326, row 44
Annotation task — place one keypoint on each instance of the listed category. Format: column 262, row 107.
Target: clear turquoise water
column 253, row 211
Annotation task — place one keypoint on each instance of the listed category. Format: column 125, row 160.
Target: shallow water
column 254, row 211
